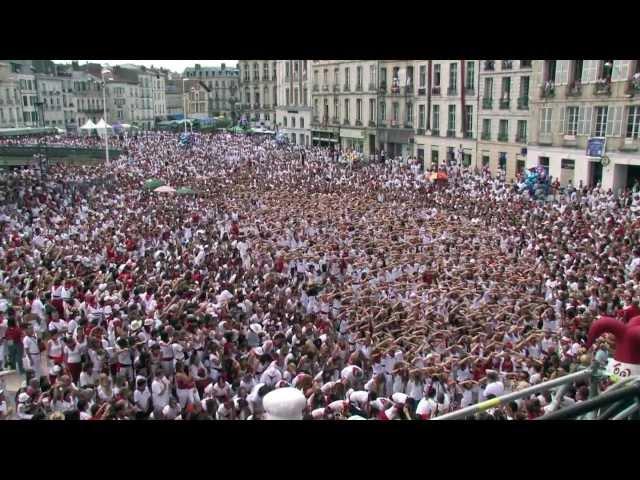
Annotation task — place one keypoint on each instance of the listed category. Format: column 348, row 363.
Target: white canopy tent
column 88, row 126
column 102, row 125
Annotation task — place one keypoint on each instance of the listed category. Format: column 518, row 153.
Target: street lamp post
column 105, row 71
column 184, row 100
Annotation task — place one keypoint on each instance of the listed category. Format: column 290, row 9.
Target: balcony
column 452, row 91
column 633, row 87
column 602, row 87
column 435, row 90
column 372, row 123
column 372, row 87
column 504, row 103
column 325, row 88
column 315, row 119
column 435, row 132
column 408, row 125
column 489, row 65
column 451, row 133
column 485, row 136
column 346, row 122
column 507, row 64
column 335, row 120
column 395, row 123
column 359, row 87
column 487, row 103
column 469, row 91
column 408, row 90
column 315, row 88
column 358, row 123
column 503, row 137
column 346, row 88
column 521, row 138
column 256, row 106
column 395, row 89
column 574, row 90
column 336, row 88
column 523, row 103
column 420, row 131
column 422, row 91
column 383, row 87
column 525, row 63
column 467, row 135
column 548, row 91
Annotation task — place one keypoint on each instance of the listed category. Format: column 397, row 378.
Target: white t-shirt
column 425, row 408
column 160, row 398
column 141, row 399
column 495, row 388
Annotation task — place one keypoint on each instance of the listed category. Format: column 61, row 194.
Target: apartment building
column 293, row 113
column 258, row 92
column 50, row 94
column 503, row 115
column 174, row 97
column 344, row 100
column 576, row 102
column 447, row 104
column 396, row 111
column 222, row 84
column 10, row 99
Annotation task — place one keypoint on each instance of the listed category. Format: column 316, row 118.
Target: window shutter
column 620, row 70
column 617, row 122
column 581, row 112
column 562, row 72
column 588, row 120
column 589, row 71
column 563, row 119
column 611, row 113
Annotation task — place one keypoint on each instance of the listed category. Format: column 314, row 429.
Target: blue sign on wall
column 595, row 147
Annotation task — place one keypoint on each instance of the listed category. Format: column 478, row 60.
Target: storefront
column 352, row 139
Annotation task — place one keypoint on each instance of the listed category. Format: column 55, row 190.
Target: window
column 346, row 109
column 485, row 160
column 359, row 110
column 488, row 87
column 601, row 121
column 301, row 122
column 571, row 127
column 522, row 131
column 524, row 86
column 503, row 130
column 421, row 116
column 383, row 75
column 372, row 74
column 410, row 113
column 336, row 76
column 287, row 96
column 502, row 161
column 589, row 71
column 372, row 109
column 423, row 75
column 453, row 77
column 434, row 158
column 436, row 118
column 336, row 109
column 470, row 80
column 396, row 111
column 550, row 71
column 359, row 78
column 576, row 72
column 256, row 74
column 383, row 111
column 451, row 120
column 346, row 77
column 545, row 120
column 284, row 121
column 633, row 121
column 506, row 88
column 436, row 75
column 315, row 77
column 562, row 72
column 293, row 122
column 568, row 164
column 468, row 118
column 325, row 76
column 486, row 129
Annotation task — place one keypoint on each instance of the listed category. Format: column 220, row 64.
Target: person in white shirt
column 142, row 398
column 160, row 393
column 32, row 351
column 494, row 386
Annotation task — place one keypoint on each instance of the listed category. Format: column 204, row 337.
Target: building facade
column 344, row 104
column 503, row 115
column 258, row 92
column 574, row 101
column 221, row 84
column 174, row 97
column 293, row 113
column 10, row 99
column 448, row 109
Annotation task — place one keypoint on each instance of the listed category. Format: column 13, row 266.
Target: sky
column 173, row 65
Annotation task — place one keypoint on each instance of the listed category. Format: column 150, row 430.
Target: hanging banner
column 595, row 147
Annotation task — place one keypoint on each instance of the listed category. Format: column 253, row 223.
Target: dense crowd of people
column 377, row 293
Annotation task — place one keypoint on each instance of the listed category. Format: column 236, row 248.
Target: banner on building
column 596, row 146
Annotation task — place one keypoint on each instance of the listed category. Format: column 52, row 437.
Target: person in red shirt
column 13, row 337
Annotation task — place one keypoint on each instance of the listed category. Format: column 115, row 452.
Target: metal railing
column 487, row 103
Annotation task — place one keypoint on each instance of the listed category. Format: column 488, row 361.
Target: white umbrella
column 165, row 189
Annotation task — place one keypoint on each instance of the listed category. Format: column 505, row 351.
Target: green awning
column 185, row 191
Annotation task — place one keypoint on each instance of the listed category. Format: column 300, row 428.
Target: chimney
column 75, row 65
column 223, row 65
